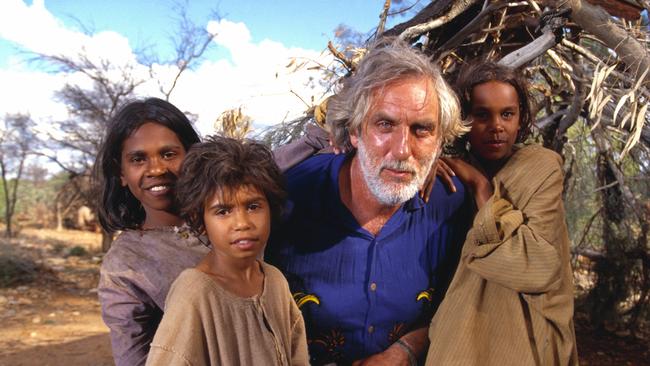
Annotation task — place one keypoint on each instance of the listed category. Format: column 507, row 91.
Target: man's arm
column 405, row 352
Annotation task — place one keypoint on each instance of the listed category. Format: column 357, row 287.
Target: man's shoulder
column 309, row 173
column 443, row 200
column 313, row 164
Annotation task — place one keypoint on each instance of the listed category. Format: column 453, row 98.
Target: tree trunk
column 107, row 240
column 59, row 217
column 598, row 22
column 610, row 288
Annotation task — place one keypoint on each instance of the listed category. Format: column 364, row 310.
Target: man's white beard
column 392, row 193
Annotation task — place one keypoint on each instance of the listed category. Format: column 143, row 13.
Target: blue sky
column 246, row 67
column 304, row 24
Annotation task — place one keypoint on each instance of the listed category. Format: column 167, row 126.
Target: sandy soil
column 54, row 320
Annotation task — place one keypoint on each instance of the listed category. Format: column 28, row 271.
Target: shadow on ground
column 93, row 350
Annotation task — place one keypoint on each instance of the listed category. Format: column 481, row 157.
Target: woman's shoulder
column 125, row 251
column 532, row 161
column 537, row 154
column 133, row 249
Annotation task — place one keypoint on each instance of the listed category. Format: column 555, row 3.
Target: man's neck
column 356, row 196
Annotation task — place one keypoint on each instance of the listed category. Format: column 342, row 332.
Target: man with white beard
column 366, row 258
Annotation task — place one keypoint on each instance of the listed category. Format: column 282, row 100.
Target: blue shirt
column 359, row 293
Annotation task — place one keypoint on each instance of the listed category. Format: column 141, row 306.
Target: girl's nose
column 242, row 220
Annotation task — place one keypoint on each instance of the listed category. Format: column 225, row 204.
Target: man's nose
column 400, row 143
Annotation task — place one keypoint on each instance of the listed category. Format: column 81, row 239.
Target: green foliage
column 77, row 251
column 36, row 198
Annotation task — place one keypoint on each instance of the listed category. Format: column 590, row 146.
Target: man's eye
column 384, row 125
column 423, row 131
column 136, row 159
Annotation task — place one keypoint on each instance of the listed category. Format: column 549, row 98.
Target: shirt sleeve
column 315, row 140
column 180, row 339
column 131, row 316
column 516, row 247
column 299, row 353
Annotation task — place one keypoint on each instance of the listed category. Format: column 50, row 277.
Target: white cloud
column 255, row 77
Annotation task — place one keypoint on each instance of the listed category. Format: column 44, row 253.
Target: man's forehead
column 421, row 88
column 407, row 95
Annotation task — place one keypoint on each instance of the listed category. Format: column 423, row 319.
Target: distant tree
column 17, row 141
column 109, row 85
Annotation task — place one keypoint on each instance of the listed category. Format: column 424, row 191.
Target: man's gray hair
column 387, row 61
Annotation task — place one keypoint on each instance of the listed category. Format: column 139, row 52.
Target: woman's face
column 150, row 161
column 495, row 120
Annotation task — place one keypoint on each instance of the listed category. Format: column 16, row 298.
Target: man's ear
column 354, row 139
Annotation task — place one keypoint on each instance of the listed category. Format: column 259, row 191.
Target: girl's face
column 150, row 161
column 238, row 223
column 495, row 120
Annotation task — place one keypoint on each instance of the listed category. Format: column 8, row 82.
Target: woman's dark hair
column 118, row 209
column 475, row 74
column 225, row 164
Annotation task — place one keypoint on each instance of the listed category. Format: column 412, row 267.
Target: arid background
column 50, row 314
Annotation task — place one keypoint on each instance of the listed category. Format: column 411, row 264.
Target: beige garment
column 511, row 299
column 206, row 325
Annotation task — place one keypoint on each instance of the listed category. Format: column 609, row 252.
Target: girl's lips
column 245, row 244
column 495, row 144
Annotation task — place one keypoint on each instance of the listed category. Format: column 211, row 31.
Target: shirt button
column 371, row 329
column 373, row 286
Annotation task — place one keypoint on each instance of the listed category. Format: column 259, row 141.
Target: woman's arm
column 131, row 318
column 477, row 183
column 315, row 140
column 516, row 246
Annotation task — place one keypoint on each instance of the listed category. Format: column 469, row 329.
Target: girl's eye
column 222, row 212
column 480, row 115
column 254, row 206
column 507, row 115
